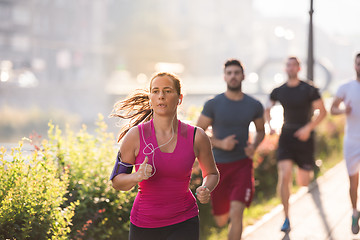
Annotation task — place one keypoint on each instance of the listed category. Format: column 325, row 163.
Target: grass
column 334, row 158
column 257, row 210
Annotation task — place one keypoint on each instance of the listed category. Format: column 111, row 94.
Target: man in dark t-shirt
column 296, row 143
column 230, row 114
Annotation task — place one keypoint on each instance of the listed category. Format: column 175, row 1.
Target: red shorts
column 236, row 184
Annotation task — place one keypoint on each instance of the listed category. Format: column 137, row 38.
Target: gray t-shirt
column 232, row 117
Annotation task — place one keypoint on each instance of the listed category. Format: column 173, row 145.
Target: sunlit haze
column 72, row 61
column 333, row 16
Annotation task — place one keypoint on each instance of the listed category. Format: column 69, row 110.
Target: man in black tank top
column 296, row 143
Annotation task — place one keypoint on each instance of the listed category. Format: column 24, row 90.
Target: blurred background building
column 79, row 57
column 52, row 54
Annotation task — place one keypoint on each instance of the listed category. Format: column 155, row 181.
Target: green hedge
column 62, row 191
column 31, row 197
column 102, row 212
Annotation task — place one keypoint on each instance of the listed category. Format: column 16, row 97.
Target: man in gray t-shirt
column 232, row 118
column 230, row 114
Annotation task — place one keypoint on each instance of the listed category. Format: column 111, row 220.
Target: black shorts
column 302, row 153
column 188, row 230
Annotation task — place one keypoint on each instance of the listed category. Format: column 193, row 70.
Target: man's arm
column 317, row 105
column 226, row 144
column 204, row 122
column 259, row 136
column 303, row 133
column 270, row 103
column 260, row 131
column 335, row 107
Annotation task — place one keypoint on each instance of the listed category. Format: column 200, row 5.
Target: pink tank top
column 165, row 198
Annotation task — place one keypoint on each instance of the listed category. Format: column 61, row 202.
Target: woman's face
column 163, row 95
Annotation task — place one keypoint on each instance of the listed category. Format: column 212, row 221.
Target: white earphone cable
column 152, row 149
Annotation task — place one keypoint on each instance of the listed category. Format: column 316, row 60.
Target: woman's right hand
column 144, row 171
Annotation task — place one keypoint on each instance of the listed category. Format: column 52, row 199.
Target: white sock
column 355, row 212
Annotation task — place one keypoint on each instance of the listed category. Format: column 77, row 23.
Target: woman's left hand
column 203, row 194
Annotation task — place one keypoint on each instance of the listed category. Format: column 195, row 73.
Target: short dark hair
column 296, row 59
column 357, row 55
column 235, row 62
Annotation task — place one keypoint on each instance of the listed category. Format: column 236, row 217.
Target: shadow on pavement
column 315, row 194
column 286, row 237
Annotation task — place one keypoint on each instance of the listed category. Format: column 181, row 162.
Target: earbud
column 150, row 103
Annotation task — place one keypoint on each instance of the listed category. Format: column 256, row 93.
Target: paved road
column 320, row 212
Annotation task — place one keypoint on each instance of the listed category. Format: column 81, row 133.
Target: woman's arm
column 210, row 174
column 129, row 150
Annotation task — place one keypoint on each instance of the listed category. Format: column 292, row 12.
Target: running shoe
column 355, row 224
column 286, row 226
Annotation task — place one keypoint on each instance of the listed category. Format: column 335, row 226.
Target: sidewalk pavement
column 320, row 212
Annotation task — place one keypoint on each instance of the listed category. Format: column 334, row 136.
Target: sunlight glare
column 169, row 67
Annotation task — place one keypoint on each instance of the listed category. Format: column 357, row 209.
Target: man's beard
column 234, row 89
column 292, row 75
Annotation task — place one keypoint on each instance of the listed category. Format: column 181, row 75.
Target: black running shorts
column 187, row 230
column 302, row 153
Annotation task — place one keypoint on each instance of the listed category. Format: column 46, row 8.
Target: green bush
column 329, row 139
column 31, row 195
column 63, row 190
column 102, row 212
column 265, row 168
